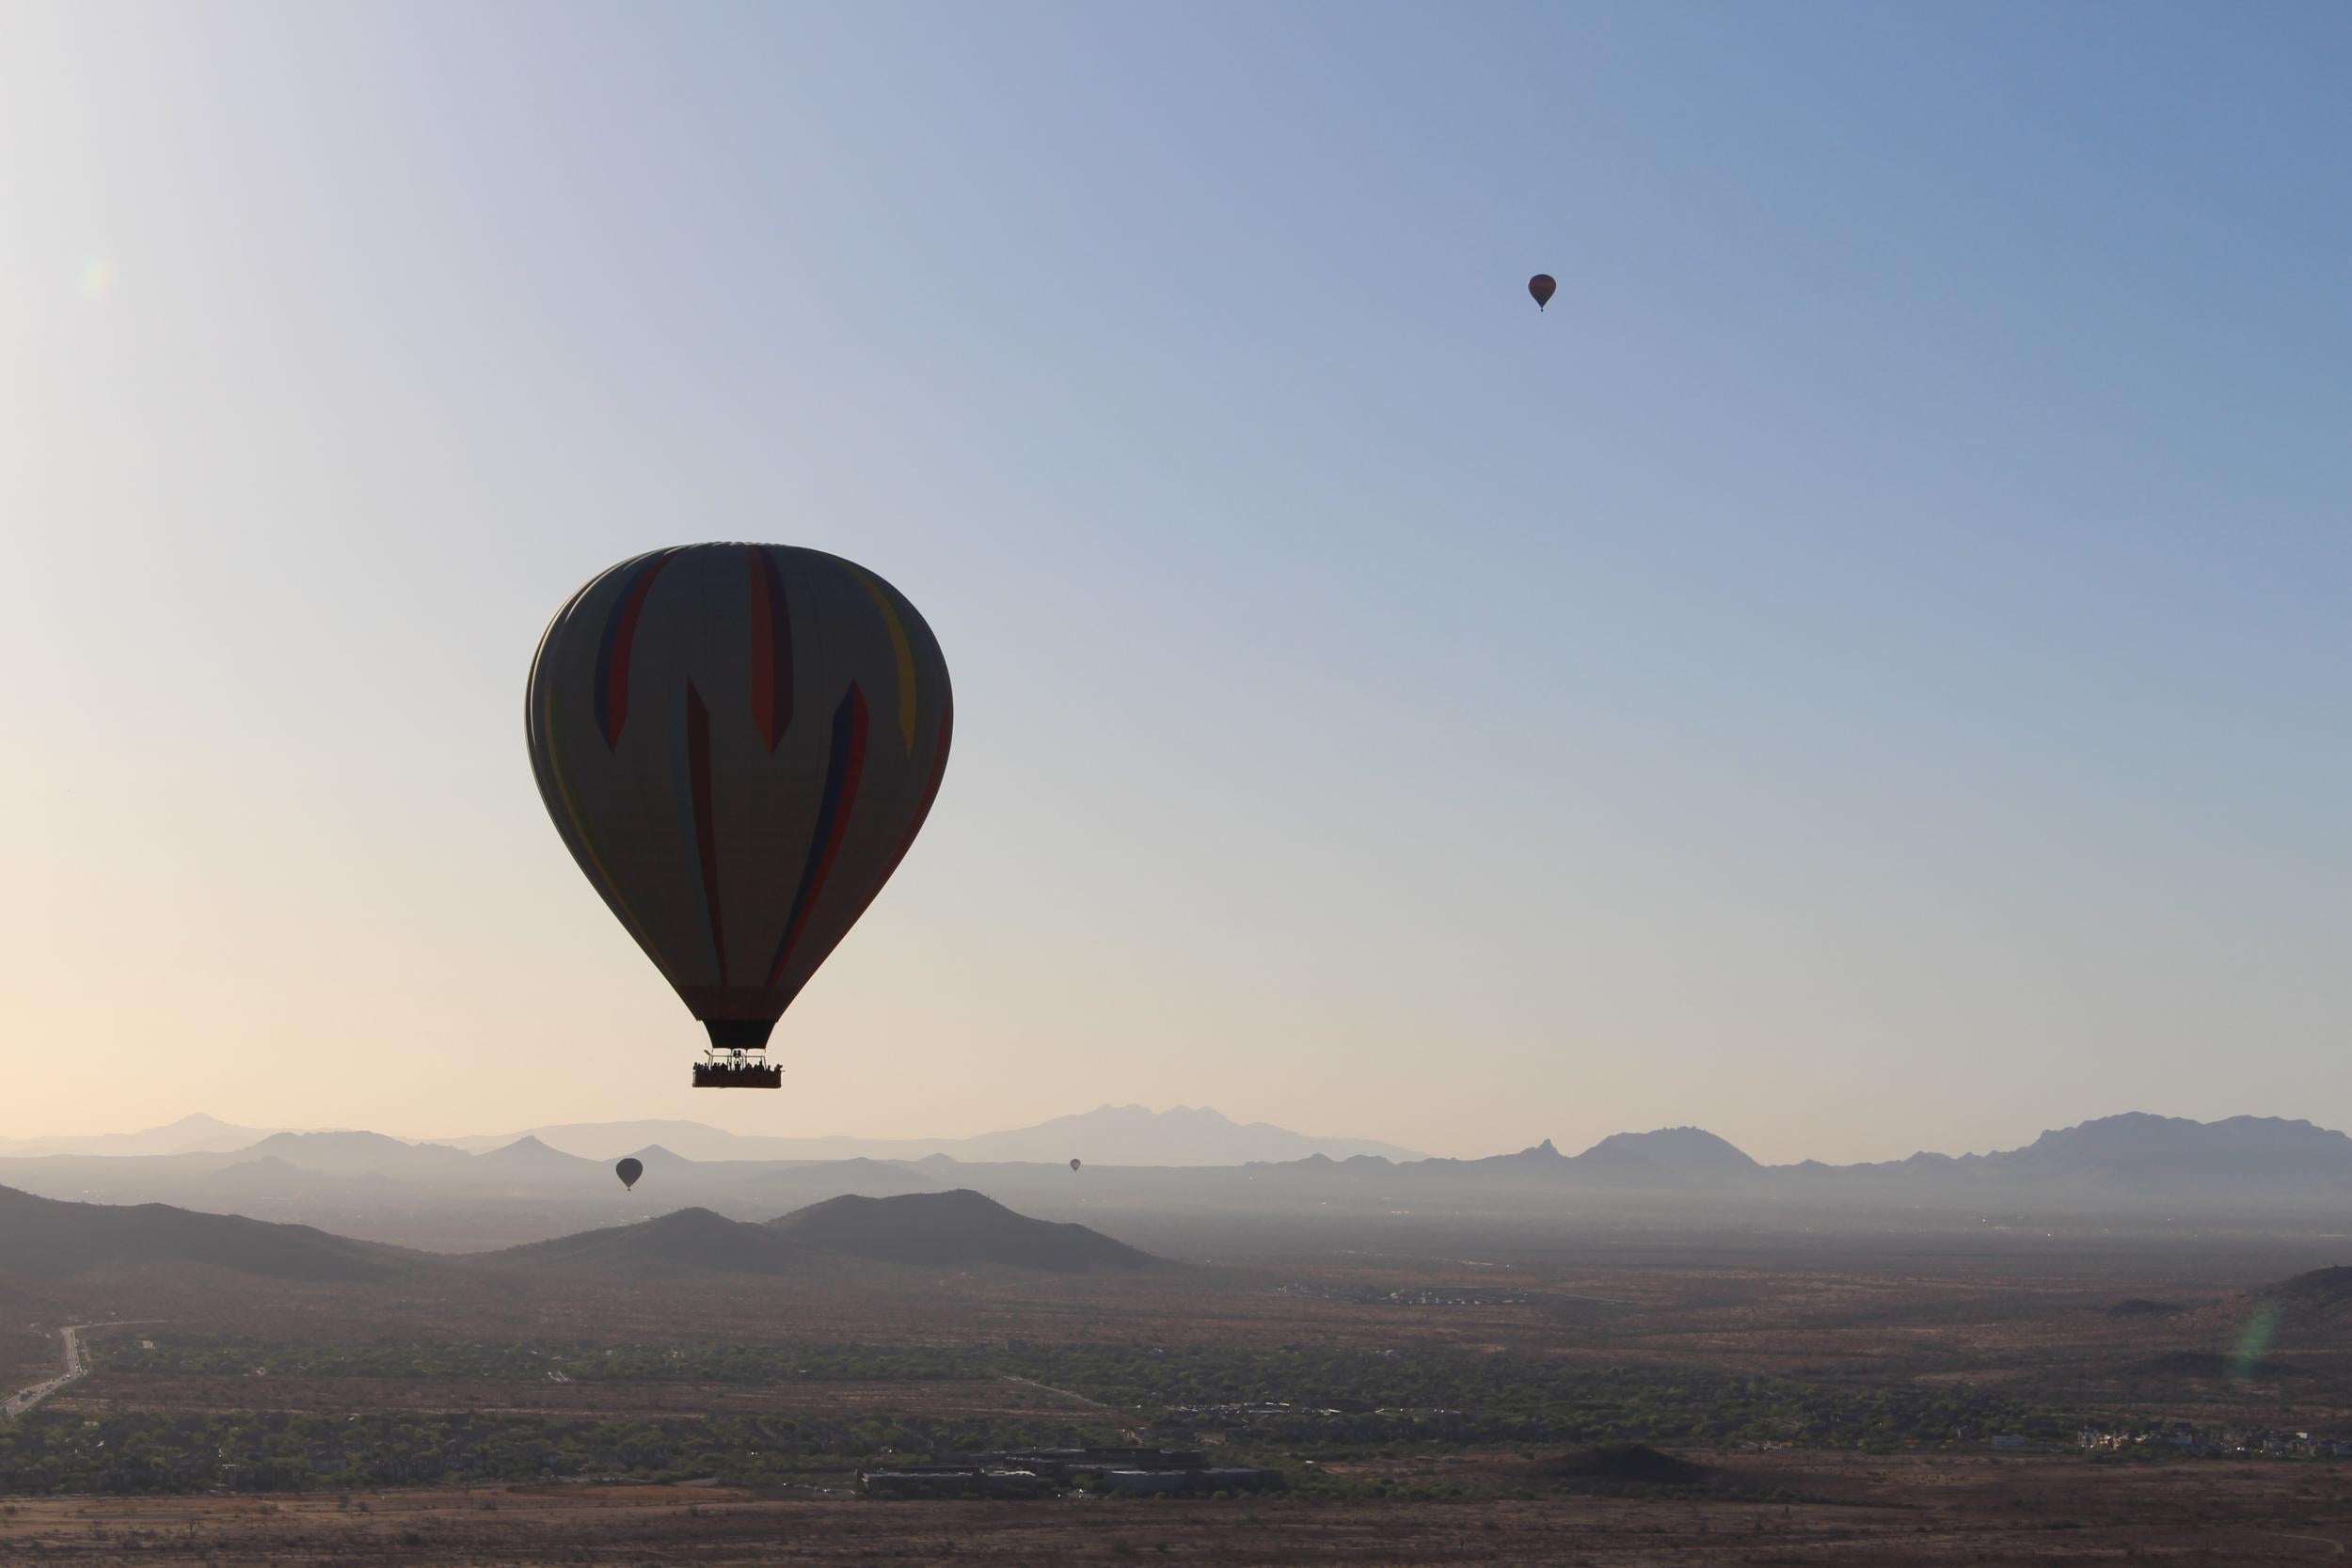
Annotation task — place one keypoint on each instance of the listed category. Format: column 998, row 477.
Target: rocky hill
column 45, row 1239
column 953, row 1227
column 686, row 1238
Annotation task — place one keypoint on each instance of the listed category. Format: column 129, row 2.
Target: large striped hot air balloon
column 738, row 744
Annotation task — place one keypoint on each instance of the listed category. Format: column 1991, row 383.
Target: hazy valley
column 1645, row 1343
column 2134, row 1171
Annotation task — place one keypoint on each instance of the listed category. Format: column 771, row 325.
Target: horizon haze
column 1108, row 1135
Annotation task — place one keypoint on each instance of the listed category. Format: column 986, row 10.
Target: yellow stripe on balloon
column 905, row 649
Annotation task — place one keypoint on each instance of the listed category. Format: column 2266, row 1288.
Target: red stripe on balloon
column 772, row 649
column 922, row 811
column 613, row 664
column 843, row 769
column 706, row 834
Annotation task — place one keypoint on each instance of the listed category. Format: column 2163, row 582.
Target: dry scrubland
column 27, row 1353
column 1851, row 1509
column 1846, row 1344
column 2098, row 1327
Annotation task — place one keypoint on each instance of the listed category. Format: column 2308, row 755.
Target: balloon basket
column 737, row 1071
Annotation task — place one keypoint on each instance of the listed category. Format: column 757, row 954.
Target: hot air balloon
column 1074, row 1165
column 738, row 743
column 1542, row 287
column 629, row 1171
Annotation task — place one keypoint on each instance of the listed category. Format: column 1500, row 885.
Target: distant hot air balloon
column 1542, row 287
column 629, row 1170
column 738, row 744
column 1074, row 1165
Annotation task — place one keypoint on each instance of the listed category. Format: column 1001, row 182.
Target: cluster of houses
column 1373, row 1295
column 1133, row 1472
column 1236, row 1415
column 1277, row 1421
column 2222, row 1442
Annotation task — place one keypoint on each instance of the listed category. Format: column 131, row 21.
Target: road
column 2334, row 1545
column 1065, row 1393
column 1071, row 1394
column 76, row 1364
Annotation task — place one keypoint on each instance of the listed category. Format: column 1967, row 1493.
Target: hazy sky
column 1870, row 668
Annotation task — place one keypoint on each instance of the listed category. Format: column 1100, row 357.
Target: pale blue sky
column 1868, row 669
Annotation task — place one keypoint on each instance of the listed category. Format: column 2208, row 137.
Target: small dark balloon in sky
column 1541, row 287
column 629, row 1170
column 1074, row 1165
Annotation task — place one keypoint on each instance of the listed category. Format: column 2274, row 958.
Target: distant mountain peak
column 355, row 1152
column 528, row 1149
column 2140, row 1154
column 352, row 1137
column 1689, row 1152
column 196, row 1132
column 1138, row 1135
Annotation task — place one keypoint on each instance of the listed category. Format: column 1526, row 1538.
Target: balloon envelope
column 1542, row 287
column 629, row 1170
column 1074, row 1165
column 738, row 743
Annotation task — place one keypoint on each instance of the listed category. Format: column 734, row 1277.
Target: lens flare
column 2246, row 1359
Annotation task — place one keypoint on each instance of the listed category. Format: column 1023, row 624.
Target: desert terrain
column 1793, row 1507
column 1432, row 1390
